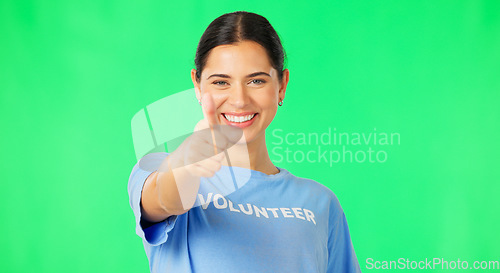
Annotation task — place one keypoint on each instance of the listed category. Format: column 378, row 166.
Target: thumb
column 208, row 106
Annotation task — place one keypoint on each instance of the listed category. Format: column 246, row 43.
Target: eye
column 219, row 83
column 258, row 81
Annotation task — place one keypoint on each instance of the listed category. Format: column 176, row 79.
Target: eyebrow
column 248, row 76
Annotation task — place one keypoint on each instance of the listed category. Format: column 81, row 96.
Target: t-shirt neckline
column 257, row 175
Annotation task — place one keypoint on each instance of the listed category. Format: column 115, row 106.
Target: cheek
column 268, row 98
column 218, row 96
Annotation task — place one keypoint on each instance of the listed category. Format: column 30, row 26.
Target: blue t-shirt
column 247, row 221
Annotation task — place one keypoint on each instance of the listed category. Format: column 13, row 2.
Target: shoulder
column 143, row 168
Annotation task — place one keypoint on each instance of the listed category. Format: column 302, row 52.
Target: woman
column 218, row 203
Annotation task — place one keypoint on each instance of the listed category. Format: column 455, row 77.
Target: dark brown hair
column 236, row 27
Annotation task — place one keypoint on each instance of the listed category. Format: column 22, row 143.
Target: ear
column 196, row 84
column 283, row 84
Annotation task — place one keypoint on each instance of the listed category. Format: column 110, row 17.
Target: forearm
column 168, row 191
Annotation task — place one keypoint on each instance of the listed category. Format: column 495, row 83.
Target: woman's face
column 244, row 86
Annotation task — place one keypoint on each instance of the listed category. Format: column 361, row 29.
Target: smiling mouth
column 239, row 118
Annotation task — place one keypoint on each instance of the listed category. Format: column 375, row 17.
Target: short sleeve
column 341, row 255
column 157, row 233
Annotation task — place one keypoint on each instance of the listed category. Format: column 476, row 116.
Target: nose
column 238, row 96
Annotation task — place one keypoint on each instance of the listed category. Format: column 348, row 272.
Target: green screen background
column 73, row 73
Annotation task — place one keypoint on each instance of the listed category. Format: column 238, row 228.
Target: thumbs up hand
column 203, row 152
column 199, row 155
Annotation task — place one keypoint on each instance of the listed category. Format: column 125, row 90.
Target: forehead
column 238, row 58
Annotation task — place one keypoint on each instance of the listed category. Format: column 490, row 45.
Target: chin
column 245, row 140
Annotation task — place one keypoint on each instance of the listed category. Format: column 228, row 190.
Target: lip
column 239, row 113
column 239, row 124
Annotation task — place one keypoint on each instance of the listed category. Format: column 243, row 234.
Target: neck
column 252, row 155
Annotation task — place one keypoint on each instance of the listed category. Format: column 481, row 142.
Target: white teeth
column 239, row 119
